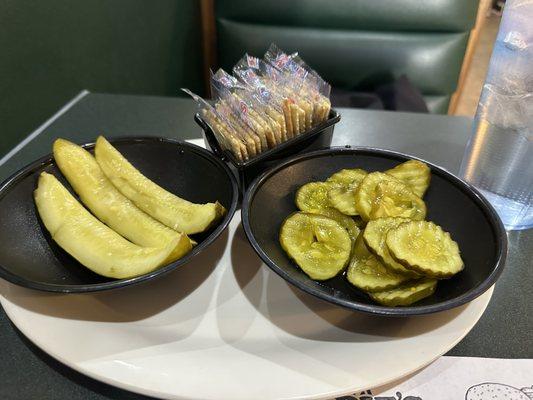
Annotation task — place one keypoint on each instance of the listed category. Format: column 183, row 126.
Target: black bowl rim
column 120, row 283
column 486, row 207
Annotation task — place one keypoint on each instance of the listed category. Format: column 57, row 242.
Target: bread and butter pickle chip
column 424, row 247
column 380, row 195
column 367, row 273
column 342, row 194
column 313, row 196
column 348, row 176
column 345, row 221
column 415, row 174
column 375, row 235
column 343, row 199
column 365, row 195
column 406, row 294
column 319, row 245
column 395, row 199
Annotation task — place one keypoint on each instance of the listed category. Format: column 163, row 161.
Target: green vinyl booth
column 356, row 44
column 53, row 49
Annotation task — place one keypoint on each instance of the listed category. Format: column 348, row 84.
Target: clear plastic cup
column 499, row 157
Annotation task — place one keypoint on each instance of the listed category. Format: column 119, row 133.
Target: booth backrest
column 356, row 44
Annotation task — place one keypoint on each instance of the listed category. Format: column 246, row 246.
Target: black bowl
column 30, row 258
column 452, row 203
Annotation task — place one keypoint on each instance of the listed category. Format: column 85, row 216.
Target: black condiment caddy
column 316, row 138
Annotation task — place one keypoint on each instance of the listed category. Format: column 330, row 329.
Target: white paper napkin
column 468, row 378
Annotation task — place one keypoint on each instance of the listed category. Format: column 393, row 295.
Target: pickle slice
column 345, row 221
column 313, row 197
column 380, row 195
column 359, row 221
column 375, row 235
column 414, row 174
column 365, row 195
column 319, row 245
column 346, row 177
column 343, row 199
column 367, row 273
column 395, row 199
column 342, row 194
column 424, row 247
column 406, row 294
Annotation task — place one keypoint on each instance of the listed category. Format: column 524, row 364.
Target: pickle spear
column 90, row 241
column 109, row 205
column 169, row 209
column 319, row 245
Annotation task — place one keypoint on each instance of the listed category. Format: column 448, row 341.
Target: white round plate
column 225, row 327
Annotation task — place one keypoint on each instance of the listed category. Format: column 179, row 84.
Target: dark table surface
column 505, row 330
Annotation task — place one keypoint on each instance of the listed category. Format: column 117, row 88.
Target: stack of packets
column 264, row 103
